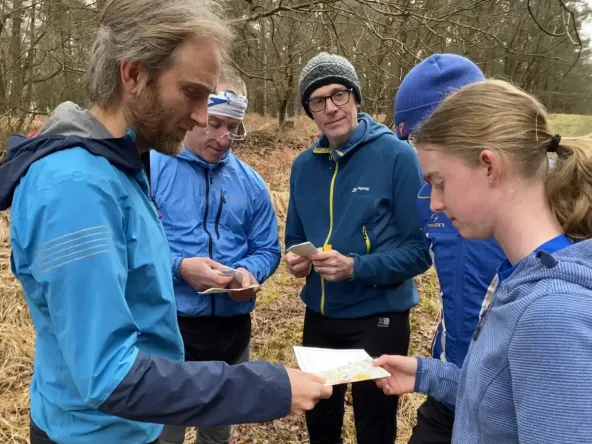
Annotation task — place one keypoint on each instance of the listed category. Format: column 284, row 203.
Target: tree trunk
column 15, row 75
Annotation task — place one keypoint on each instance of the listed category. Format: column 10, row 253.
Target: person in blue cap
column 466, row 268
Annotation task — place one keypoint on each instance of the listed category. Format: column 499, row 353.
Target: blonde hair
column 149, row 31
column 497, row 115
column 231, row 78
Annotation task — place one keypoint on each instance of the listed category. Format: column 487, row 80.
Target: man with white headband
column 217, row 213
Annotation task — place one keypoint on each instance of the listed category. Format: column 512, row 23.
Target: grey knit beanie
column 325, row 69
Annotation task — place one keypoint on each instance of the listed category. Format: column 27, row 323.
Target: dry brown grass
column 16, row 349
column 277, row 321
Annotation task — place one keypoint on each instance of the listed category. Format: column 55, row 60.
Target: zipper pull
column 156, row 205
column 222, row 196
column 364, row 232
column 477, row 331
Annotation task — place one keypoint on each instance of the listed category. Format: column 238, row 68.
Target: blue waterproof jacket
column 466, row 271
column 92, row 256
column 360, row 199
column 222, row 211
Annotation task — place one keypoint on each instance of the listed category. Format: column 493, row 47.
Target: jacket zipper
column 156, row 205
column 326, row 245
column 481, row 323
column 366, row 239
column 205, row 225
column 458, row 298
column 219, row 213
column 147, row 189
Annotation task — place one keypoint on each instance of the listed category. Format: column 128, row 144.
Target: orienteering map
column 338, row 366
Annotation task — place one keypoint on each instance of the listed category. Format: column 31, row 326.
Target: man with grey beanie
column 352, row 195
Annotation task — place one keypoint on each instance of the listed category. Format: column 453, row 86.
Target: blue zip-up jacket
column 466, row 271
column 527, row 377
column 360, row 199
column 222, row 211
column 92, row 257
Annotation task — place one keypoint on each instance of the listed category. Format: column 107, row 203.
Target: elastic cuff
column 356, row 270
column 177, row 268
column 420, row 376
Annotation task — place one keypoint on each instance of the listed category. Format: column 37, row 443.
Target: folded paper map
column 338, row 366
column 227, row 271
column 228, row 290
column 305, row 249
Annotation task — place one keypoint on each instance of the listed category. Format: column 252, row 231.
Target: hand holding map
column 305, row 249
column 227, row 271
column 338, row 366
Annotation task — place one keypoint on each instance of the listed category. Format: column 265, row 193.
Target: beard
column 154, row 123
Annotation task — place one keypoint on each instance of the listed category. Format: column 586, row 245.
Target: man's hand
column 402, row 369
column 298, row 266
column 201, row 274
column 243, row 279
column 333, row 266
column 307, row 390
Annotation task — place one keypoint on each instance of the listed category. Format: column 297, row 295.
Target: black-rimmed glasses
column 339, row 98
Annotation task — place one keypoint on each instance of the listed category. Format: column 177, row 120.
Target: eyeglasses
column 339, row 98
column 215, row 133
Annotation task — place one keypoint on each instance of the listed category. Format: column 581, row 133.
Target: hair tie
column 554, row 144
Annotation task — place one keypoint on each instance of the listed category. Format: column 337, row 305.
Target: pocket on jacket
column 364, row 209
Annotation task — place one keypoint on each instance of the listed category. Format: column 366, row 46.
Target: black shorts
column 215, row 338
column 375, row 413
column 434, row 424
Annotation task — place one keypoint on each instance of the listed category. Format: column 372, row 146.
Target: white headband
column 228, row 104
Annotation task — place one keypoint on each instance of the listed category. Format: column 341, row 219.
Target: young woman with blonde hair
column 528, row 375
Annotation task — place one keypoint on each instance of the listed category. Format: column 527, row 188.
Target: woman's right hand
column 402, row 370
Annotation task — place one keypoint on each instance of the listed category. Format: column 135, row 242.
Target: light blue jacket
column 527, row 378
column 222, row 211
column 93, row 260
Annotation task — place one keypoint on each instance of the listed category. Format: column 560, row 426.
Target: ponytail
column 569, row 187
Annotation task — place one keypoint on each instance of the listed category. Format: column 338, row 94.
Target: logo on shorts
column 383, row 322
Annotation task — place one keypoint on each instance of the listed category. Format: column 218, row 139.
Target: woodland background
column 541, row 45
column 538, row 44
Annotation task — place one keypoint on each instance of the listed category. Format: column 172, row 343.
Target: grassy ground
column 277, row 321
column 574, row 126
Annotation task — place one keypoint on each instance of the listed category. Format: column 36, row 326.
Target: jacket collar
column 23, row 152
column 357, row 139
column 194, row 158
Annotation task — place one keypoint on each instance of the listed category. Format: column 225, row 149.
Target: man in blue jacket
column 91, row 254
column 352, row 195
column 231, row 224
column 466, row 268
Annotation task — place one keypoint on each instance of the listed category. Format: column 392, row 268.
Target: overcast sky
column 587, row 27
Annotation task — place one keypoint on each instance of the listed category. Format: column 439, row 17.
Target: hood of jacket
column 571, row 265
column 69, row 126
column 366, row 131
